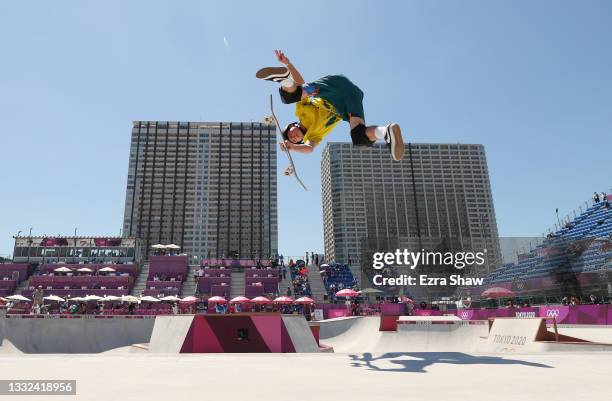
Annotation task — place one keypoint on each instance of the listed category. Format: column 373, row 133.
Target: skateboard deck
column 291, row 170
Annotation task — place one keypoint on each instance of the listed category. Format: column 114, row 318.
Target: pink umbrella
column 347, row 292
column 304, row 300
column 283, row 300
column 261, row 300
column 217, row 300
column 239, row 300
column 497, row 292
column 407, row 300
column 190, row 299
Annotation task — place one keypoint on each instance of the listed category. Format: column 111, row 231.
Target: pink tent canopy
column 497, row 292
column 217, row 299
column 239, row 300
column 283, row 300
column 304, row 300
column 261, row 300
column 347, row 292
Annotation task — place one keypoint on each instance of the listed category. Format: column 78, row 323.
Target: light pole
column 15, row 247
column 75, row 246
column 29, row 243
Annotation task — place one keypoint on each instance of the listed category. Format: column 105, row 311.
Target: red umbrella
column 239, row 300
column 189, row 299
column 261, row 300
column 497, row 292
column 347, row 292
column 217, row 300
column 283, row 300
column 304, row 300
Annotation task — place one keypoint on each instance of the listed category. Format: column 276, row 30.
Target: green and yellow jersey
column 332, row 98
column 317, row 116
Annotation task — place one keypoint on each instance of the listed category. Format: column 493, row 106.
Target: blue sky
column 531, row 80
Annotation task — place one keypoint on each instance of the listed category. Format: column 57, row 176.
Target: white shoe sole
column 397, row 142
column 275, row 74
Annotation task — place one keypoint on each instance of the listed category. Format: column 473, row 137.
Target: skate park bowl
column 450, row 334
column 276, row 333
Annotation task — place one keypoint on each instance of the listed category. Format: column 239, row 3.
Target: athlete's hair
column 291, row 97
column 288, row 127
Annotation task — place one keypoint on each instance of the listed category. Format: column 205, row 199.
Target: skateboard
column 291, row 170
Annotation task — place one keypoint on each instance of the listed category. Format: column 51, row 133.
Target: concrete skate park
column 432, row 356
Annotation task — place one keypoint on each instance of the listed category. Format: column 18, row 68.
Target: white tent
column 172, row 246
column 110, row 298
column 62, row 269
column 170, row 298
column 92, row 298
column 107, row 269
column 54, row 298
column 129, row 298
column 148, row 298
column 158, row 246
column 77, row 299
column 18, row 297
column 85, row 270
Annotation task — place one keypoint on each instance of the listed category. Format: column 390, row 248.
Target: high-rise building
column 438, row 197
column 207, row 187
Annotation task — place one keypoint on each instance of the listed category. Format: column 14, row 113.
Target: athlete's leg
column 355, row 121
column 391, row 134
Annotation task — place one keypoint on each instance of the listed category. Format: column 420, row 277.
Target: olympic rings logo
column 552, row 313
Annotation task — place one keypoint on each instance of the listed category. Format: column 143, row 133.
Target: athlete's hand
column 286, row 145
column 280, row 56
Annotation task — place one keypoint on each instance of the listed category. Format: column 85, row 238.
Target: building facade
column 438, row 197
column 70, row 249
column 208, row 187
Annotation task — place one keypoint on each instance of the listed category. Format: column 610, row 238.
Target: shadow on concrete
column 417, row 361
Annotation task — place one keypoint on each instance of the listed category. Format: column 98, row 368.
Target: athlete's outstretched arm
column 297, row 77
column 307, row 147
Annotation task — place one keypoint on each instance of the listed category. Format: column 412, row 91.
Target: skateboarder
column 321, row 104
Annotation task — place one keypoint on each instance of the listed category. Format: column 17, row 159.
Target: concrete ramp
column 86, row 334
column 418, row 334
column 352, row 334
column 169, row 334
column 234, row 333
column 514, row 336
column 7, row 348
column 2, row 324
column 334, row 327
column 299, row 334
column 443, row 335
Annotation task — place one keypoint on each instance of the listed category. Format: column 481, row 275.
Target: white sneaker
column 393, row 138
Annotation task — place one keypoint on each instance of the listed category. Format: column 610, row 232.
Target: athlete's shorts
column 344, row 95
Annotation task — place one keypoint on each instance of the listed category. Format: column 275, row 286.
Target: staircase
column 286, row 282
column 22, row 286
column 141, row 281
column 25, row 283
column 238, row 283
column 189, row 286
column 316, row 284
